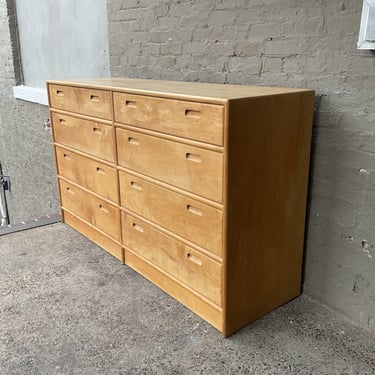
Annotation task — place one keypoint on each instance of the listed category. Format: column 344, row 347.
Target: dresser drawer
column 89, row 102
column 92, row 137
column 89, row 173
column 198, row 121
column 95, row 211
column 191, row 168
column 189, row 266
column 193, row 220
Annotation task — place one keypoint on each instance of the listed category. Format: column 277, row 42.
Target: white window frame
column 365, row 19
column 31, row 94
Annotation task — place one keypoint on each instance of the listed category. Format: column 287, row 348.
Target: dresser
column 201, row 188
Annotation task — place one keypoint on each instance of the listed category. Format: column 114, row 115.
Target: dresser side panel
column 268, row 162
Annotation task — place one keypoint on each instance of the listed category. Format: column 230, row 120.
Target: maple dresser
column 201, row 188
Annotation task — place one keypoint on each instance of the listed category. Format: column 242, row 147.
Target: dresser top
column 210, row 91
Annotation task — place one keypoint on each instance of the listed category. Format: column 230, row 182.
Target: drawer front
column 91, row 174
column 198, row 121
column 89, row 102
column 193, row 220
column 191, row 168
column 189, row 266
column 92, row 137
column 95, row 211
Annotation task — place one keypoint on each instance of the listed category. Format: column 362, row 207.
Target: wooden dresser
column 201, row 188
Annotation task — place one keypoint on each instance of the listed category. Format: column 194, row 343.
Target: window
column 60, row 40
column 366, row 38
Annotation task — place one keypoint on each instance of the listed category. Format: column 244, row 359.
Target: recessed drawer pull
column 94, row 98
column 194, row 259
column 193, row 210
column 133, row 141
column 97, row 130
column 138, row 228
column 69, row 190
column 62, row 121
column 131, row 103
column 136, row 186
column 66, row 156
column 60, row 92
column 191, row 113
column 193, row 157
column 102, row 208
column 100, row 170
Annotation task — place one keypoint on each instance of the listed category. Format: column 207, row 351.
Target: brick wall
column 25, row 147
column 6, row 71
column 298, row 43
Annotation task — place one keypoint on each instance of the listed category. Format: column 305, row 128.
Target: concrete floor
column 67, row 307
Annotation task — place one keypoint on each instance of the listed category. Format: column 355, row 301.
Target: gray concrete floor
column 67, row 307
